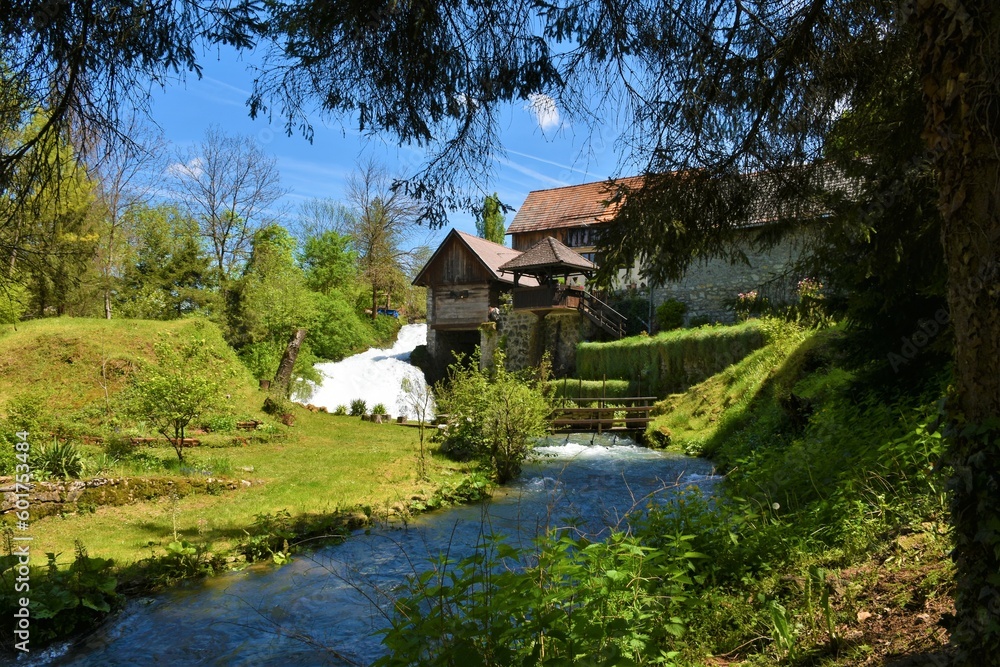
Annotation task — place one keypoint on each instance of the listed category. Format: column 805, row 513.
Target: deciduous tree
column 229, row 184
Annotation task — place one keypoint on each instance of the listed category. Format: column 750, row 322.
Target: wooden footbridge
column 603, row 414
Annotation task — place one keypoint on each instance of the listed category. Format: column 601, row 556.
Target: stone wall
column 709, row 288
column 527, row 336
column 561, row 331
column 48, row 498
column 519, row 332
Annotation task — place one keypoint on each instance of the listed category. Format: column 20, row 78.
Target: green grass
column 701, row 414
column 324, row 465
column 671, row 361
column 73, row 368
column 67, row 376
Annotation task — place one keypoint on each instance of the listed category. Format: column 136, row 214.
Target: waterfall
column 375, row 376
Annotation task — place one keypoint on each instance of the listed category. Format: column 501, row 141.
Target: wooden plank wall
column 460, row 306
column 525, row 240
column 455, row 265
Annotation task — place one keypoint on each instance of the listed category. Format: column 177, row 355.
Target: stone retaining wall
column 49, row 498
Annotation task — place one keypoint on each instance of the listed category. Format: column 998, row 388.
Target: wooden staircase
column 604, row 316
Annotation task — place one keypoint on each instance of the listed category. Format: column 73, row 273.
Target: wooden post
column 283, row 378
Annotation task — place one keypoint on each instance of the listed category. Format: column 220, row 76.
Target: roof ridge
column 580, row 185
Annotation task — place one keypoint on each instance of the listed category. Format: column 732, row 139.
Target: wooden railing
column 603, row 315
column 604, row 414
column 555, row 296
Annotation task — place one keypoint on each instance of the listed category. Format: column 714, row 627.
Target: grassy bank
column 826, row 544
column 239, row 496
column 671, row 361
column 324, row 469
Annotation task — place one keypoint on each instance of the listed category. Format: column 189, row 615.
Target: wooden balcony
column 547, row 297
column 554, row 297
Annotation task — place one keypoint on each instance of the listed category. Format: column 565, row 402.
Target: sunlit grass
column 326, row 464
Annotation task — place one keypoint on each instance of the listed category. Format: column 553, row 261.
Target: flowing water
column 326, row 605
column 374, row 376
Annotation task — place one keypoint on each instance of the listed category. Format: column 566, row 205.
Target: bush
column 59, row 459
column 118, row 447
column 379, row 409
column 219, row 424
column 339, row 330
column 670, row 315
column 276, row 404
column 358, row 407
column 340, row 410
column 63, row 600
column 496, row 416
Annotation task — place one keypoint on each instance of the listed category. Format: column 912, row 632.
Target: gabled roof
column 549, row 253
column 571, row 206
column 490, row 255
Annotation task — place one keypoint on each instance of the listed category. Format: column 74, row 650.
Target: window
column 580, row 237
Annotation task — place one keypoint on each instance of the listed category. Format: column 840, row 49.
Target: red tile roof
column 571, row 206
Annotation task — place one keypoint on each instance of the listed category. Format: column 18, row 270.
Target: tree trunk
column 960, row 62
column 283, row 378
column 107, row 304
column 374, row 302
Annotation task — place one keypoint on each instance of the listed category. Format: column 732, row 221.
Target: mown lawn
column 325, row 464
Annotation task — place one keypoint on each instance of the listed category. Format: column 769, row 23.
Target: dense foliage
column 669, row 361
column 494, row 415
column 689, row 576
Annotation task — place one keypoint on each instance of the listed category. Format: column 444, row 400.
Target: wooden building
column 464, row 282
column 571, row 215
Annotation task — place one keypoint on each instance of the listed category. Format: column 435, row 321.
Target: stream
column 325, row 606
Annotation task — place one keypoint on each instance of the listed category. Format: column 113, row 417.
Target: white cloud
column 545, row 110
column 193, row 169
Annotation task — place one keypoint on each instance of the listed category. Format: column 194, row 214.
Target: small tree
column 490, row 220
column 419, row 398
column 496, row 415
column 177, row 390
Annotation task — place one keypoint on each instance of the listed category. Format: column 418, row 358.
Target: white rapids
column 375, row 376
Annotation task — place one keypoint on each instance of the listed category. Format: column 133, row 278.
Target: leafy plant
column 340, row 410
column 63, row 600
column 358, row 407
column 670, row 315
column 496, row 416
column 268, row 538
column 379, row 409
column 59, row 459
column 180, row 388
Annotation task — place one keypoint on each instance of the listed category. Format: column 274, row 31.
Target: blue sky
column 543, row 148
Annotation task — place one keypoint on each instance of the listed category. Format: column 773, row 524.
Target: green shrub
column 26, row 412
column 220, row 423
column 339, row 330
column 63, row 600
column 495, row 416
column 379, row 409
column 118, row 447
column 358, row 407
column 276, row 404
column 340, row 410
column 670, row 315
column 386, row 329
column 8, row 457
column 59, row 459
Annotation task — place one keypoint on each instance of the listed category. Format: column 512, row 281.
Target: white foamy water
column 374, row 376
